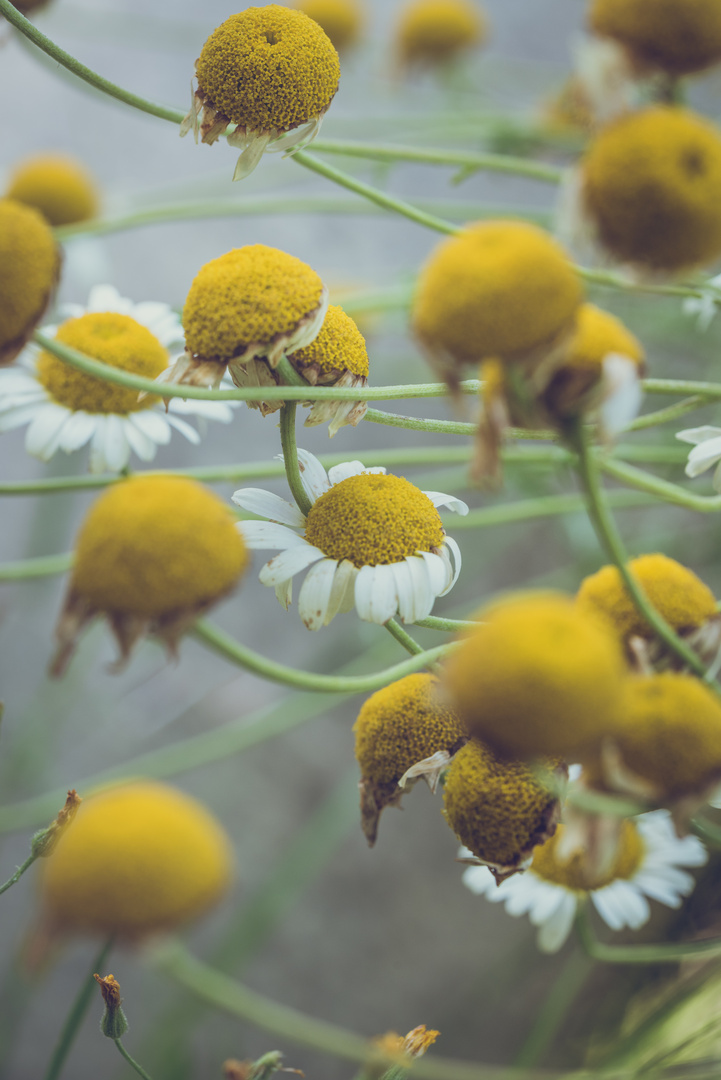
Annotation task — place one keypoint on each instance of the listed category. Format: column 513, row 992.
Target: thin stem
column 666, row 416
column 661, row 489
column 682, row 386
column 403, row 637
column 139, row 1070
column 641, row 954
column 610, row 540
column 290, row 456
column 616, row 281
column 414, row 423
column 554, row 1009
column 451, row 626
column 706, row 831
column 18, row 873
column 43, row 566
column 77, row 1011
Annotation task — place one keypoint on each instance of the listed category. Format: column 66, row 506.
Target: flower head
column 650, row 187
column 66, row 408
column 397, row 728
column 648, row 864
column 537, row 677
column 341, row 20
column 29, row 272
column 270, row 71
column 57, row 185
column 141, row 857
column 431, row 33
column 153, row 553
column 499, row 810
column 253, row 302
column 372, row 540
column 662, row 34
column 404, row 1047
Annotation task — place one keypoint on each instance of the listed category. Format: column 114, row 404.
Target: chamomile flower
column 57, row 185
column 372, row 540
column 272, row 73
column 29, row 272
column 341, row 20
column 66, row 409
column 650, row 865
column 433, row 33
column 662, row 35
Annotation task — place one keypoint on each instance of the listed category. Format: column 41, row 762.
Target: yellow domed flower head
column 400, row 727
column 337, row 357
column 678, row 595
column 141, row 857
column 245, row 311
column 272, row 73
column 677, row 38
column 341, row 20
column 650, row 190
column 537, row 677
column 153, row 554
column 57, row 185
column 500, row 810
column 29, row 272
column 433, row 33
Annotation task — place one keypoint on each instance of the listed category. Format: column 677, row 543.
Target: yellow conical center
column 116, row 340
column 574, row 873
column 59, row 187
column 435, row 30
column 373, row 519
column 339, row 347
column 29, row 265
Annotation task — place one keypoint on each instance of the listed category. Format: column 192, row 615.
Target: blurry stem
column 403, row 637
column 706, row 831
column 661, row 489
column 290, row 456
column 77, row 1011
column 554, row 1009
column 610, row 540
column 18, row 873
column 451, row 626
column 665, row 416
column 140, row 1071
column 641, row 954
column 43, row 566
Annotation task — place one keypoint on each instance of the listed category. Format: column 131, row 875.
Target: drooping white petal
column 342, row 597
column 284, row 593
column 77, row 431
column 479, row 880
column 19, row 415
column 698, row 435
column 17, row 381
column 154, row 425
column 376, row 598
column 138, row 441
column 270, row 506
column 449, row 542
column 555, row 930
column 439, row 499
column 415, row 593
column 622, row 394
column 263, row 535
column 43, row 435
column 248, row 160
column 289, row 562
column 703, row 456
column 610, row 907
column 312, row 475
column 220, row 411
column 184, row 428
column 315, row 593
column 160, row 319
column 439, row 572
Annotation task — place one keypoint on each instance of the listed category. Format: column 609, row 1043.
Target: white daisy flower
column 706, row 453
column 65, row 409
column 647, row 866
column 372, row 540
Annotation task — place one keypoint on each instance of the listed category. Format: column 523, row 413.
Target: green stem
column 18, row 873
column 616, row 281
column 290, row 456
column 67, row 61
column 77, row 1011
column 140, row 1071
column 661, row 489
column 555, row 1007
column 706, row 831
column 413, row 423
column 641, row 954
column 42, row 566
column 451, row 626
column 682, row 386
column 610, row 540
column 666, row 416
column 403, row 637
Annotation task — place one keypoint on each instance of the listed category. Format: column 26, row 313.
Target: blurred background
column 371, row 940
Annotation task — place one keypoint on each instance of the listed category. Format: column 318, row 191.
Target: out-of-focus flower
column 372, row 540
column 434, row 33
column 65, row 408
column 341, row 20
column 706, row 453
column 57, row 185
column 662, row 35
column 704, row 307
column 29, row 272
column 270, row 71
column 647, row 865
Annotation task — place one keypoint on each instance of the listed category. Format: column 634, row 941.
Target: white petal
column 449, row 542
column 342, row 597
column 284, row 593
column 107, row 298
column 479, row 880
column 703, row 456
column 417, row 602
column 185, row 429
column 289, row 562
column 270, row 506
column 220, row 411
column 622, row 394
column 18, row 381
column 43, row 435
column 19, row 415
column 312, row 475
column 78, row 431
column 376, row 599
column 153, row 424
column 248, row 160
column 439, row 499
column 439, row 572
column 116, row 449
column 346, row 469
column 315, row 594
column 556, row 929
column 262, row 535
column 138, row 441
column 698, row 434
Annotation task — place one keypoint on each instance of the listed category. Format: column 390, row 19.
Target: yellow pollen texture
column 652, row 185
column 537, row 677
column 29, row 264
column 675, row 592
column 373, row 519
column 401, row 725
column 341, row 20
column 155, row 545
column 250, row 295
column 339, row 346
column 115, row 340
column 138, row 858
column 499, row 289
column 498, row 809
column 678, row 37
column 434, row 31
column 56, row 185
column 269, row 68
column 573, row 874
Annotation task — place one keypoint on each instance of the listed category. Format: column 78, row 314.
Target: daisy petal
column 116, row 448
column 346, row 469
column 262, row 535
column 17, row 416
column 138, row 441
column 376, row 599
column 107, row 298
column 413, row 574
column 449, row 542
column 315, row 594
column 703, row 456
column 270, row 506
column 698, row 435
column 312, row 475
column 184, row 428
column 289, row 562
column 43, row 435
column 439, row 572
column 154, row 425
column 554, row 932
column 439, row 499
column 479, row 880
column 284, row 593
column 342, row 597
column 77, row 431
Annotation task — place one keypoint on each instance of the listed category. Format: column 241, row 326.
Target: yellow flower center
column 339, row 347
column 29, row 267
column 401, row 725
column 59, row 187
column 155, row 545
column 677, row 37
column 433, row 31
column 675, row 592
column 115, row 340
column 501, row 288
column 652, row 184
column 269, row 68
column 250, row 295
column 339, row 19
column 372, row 520
column 573, row 874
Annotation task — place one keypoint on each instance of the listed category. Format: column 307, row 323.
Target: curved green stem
column 641, row 954
column 139, row 1070
column 402, row 636
column 668, row 415
column 18, row 873
column 450, row 626
column 77, row 1011
column 661, row 489
column 290, row 456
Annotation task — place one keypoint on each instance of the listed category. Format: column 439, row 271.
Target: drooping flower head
column 399, row 727
column 647, row 864
column 29, row 272
column 341, row 20
column 537, row 677
column 434, row 33
column 372, row 540
column 500, row 810
column 141, row 857
column 253, row 303
column 153, row 553
column 65, row 408
column 676, row 38
column 272, row 73
column 57, row 185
